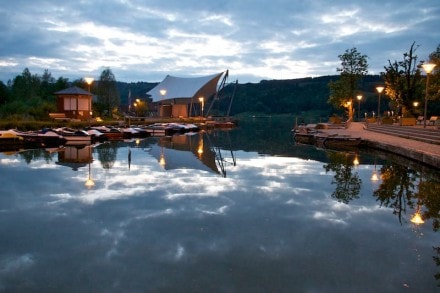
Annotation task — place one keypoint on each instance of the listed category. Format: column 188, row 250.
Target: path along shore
column 423, row 152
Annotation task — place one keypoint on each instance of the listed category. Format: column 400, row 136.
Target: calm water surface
column 232, row 211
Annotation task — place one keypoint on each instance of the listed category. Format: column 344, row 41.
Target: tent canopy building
column 185, row 96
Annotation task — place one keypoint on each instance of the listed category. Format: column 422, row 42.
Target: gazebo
column 74, row 103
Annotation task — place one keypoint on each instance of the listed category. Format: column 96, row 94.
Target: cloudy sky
column 144, row 40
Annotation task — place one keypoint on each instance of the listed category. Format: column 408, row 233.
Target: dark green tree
column 434, row 81
column 108, row 96
column 403, row 81
column 354, row 66
column 4, row 93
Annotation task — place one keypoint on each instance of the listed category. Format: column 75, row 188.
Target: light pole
column 416, row 104
column 379, row 89
column 89, row 81
column 428, row 67
column 359, row 97
column 163, row 92
column 202, row 102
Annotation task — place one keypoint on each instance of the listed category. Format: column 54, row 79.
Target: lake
column 244, row 210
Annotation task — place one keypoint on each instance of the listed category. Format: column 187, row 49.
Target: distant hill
column 273, row 96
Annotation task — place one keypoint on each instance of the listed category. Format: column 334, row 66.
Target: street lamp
column 162, row 92
column 359, row 97
column 89, row 81
column 428, row 67
column 136, row 109
column 202, row 101
column 379, row 89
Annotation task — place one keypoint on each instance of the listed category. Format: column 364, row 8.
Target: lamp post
column 379, row 89
column 136, row 109
column 359, row 97
column 163, row 92
column 428, row 67
column 202, row 102
column 89, row 81
column 416, row 104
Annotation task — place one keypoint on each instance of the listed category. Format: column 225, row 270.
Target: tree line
column 31, row 96
column 403, row 84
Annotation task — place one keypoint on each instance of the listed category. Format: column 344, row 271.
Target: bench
column 432, row 120
column 58, row 116
column 420, row 120
column 407, row 121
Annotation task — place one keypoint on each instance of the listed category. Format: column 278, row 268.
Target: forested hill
column 274, row 96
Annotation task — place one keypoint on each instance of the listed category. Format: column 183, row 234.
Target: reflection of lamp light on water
column 162, row 158
column 375, row 176
column 417, row 217
column 200, row 147
column 89, row 182
column 356, row 160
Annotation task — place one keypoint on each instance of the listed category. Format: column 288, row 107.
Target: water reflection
column 348, row 183
column 243, row 210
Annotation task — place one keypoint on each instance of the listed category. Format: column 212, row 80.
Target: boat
column 10, row 141
column 111, row 133
column 44, row 138
column 337, row 141
column 97, row 136
column 324, row 140
column 305, row 138
column 134, row 132
column 304, row 135
column 73, row 136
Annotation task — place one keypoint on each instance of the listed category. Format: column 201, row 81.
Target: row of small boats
column 325, row 140
column 13, row 138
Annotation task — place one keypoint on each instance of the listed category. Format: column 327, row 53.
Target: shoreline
column 426, row 153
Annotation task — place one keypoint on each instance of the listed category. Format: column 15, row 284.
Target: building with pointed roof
column 184, row 96
column 74, row 103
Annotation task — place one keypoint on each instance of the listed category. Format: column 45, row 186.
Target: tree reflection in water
column 348, row 183
column 397, row 188
column 400, row 190
column 107, row 154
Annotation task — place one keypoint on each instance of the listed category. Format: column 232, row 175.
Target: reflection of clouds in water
column 327, row 209
column 115, row 237
column 219, row 211
column 331, row 217
column 13, row 161
column 117, row 234
column 12, row 264
column 180, row 251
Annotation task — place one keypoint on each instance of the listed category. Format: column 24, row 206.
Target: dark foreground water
column 233, row 211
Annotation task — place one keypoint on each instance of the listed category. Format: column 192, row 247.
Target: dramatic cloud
column 146, row 40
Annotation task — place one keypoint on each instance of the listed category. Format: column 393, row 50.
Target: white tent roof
column 185, row 87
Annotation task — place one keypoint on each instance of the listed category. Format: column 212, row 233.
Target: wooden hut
column 73, row 103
